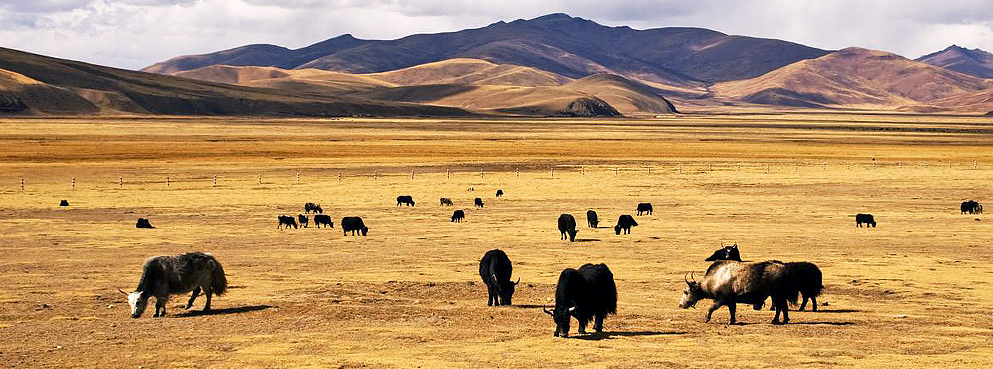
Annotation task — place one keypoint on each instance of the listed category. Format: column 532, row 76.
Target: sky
column 133, row 34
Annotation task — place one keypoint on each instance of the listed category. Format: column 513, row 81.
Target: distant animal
column 64, row 202
column 732, row 282
column 726, row 253
column 309, row 207
column 567, row 227
column 865, row 218
column 499, row 193
column 286, row 221
column 591, row 219
column 644, row 207
column 495, row 270
column 478, row 202
column 353, row 224
column 971, row 207
column 446, row 201
column 587, row 293
column 143, row 223
column 625, row 222
column 806, row 278
column 470, row 189
column 304, row 222
column 323, row 220
column 405, row 200
column 170, row 275
column 458, row 215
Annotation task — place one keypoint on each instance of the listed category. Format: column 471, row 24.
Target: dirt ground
column 908, row 293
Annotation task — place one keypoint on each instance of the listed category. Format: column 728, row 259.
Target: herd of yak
column 586, row 294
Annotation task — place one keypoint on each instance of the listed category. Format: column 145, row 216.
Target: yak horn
column 518, row 280
column 686, row 280
column 692, row 277
column 546, row 311
column 119, row 290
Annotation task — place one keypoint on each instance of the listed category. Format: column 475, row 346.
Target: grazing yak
column 587, row 293
column 495, row 269
column 309, row 207
column 806, row 278
column 405, row 200
column 286, row 221
column 446, row 201
column 170, row 275
column 864, row 218
column 971, row 207
column 567, row 227
column 457, row 216
column 499, row 193
column 64, row 202
column 478, row 202
column 726, row 253
column 353, row 224
column 645, row 207
column 591, row 219
column 323, row 220
column 143, row 223
column 304, row 221
column 730, row 283
column 624, row 222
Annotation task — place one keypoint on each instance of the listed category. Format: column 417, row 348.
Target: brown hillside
column 627, row 96
column 470, row 71
column 522, row 100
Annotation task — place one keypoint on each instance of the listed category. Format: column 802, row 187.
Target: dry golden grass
column 909, row 293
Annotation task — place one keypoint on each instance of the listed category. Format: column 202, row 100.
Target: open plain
column 913, row 292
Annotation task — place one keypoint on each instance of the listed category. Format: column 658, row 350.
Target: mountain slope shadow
column 225, row 311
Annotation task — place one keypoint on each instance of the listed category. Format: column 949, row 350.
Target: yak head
column 506, row 290
column 572, row 235
column 691, row 294
column 726, row 253
column 365, row 230
column 562, row 315
column 617, row 229
column 138, row 302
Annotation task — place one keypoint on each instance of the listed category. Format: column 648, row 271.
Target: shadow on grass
column 587, row 240
column 609, row 335
column 527, row 306
column 823, row 323
column 225, row 311
column 832, row 311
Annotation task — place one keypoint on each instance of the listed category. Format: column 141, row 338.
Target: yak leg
column 598, row 323
column 160, row 307
column 813, row 300
column 803, row 305
column 582, row 326
column 715, row 306
column 781, row 306
column 493, row 296
column 731, row 308
column 193, row 297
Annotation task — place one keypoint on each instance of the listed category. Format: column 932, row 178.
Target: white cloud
column 136, row 33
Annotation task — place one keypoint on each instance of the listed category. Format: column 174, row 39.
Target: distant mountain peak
column 974, row 62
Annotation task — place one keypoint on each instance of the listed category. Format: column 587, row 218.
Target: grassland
column 911, row 292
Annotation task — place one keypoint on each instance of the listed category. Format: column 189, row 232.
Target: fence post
column 448, row 173
column 480, row 173
column 518, row 171
column 167, row 181
column 22, row 184
column 73, row 183
column 298, row 177
column 551, row 172
column 260, row 179
column 411, row 174
column 215, row 180
column 121, row 183
column 339, row 176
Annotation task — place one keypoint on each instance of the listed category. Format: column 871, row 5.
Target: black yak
column 304, row 221
column 143, row 223
column 866, row 219
column 478, row 202
column 446, row 201
column 645, row 207
column 405, row 200
column 730, row 283
column 625, row 222
column 457, row 216
column 309, row 207
column 286, row 221
column 353, row 224
column 591, row 219
column 495, row 270
column 567, row 227
column 323, row 220
column 587, row 293
column 170, row 275
column 971, row 207
column 499, row 193
column 64, row 202
column 726, row 253
column 806, row 278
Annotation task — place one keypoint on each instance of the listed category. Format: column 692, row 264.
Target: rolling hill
column 975, row 62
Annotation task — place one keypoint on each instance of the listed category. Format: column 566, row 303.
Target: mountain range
column 554, row 65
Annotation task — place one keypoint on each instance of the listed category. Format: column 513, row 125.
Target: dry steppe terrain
column 910, row 293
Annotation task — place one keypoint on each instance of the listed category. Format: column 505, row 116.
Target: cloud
column 136, row 33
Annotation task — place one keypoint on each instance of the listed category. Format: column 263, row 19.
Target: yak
column 323, row 220
column 726, row 253
column 285, row 221
column 499, row 193
column 865, row 218
column 731, row 282
column 971, row 207
column 625, row 222
column 405, row 200
column 478, row 202
column 567, row 227
column 143, row 223
column 645, row 207
column 587, row 293
column 353, row 224
column 446, row 201
column 64, row 202
column 591, row 219
column 170, row 275
column 495, row 270
column 806, row 278
column 457, row 216
column 316, row 208
column 304, row 221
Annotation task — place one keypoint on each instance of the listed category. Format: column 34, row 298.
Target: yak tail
column 218, row 282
